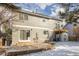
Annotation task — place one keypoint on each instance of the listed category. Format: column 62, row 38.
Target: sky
column 49, row 9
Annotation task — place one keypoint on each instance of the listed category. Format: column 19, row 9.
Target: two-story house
column 29, row 26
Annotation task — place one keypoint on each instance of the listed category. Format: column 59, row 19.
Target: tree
column 71, row 18
column 6, row 18
column 69, row 14
column 65, row 7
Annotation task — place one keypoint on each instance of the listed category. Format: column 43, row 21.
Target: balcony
column 59, row 31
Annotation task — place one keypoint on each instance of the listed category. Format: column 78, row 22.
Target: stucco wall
column 34, row 24
column 15, row 36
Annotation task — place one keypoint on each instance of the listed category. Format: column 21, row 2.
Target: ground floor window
column 24, row 34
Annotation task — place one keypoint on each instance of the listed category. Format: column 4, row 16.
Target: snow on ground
column 61, row 49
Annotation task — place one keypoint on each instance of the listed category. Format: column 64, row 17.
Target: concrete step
column 20, row 50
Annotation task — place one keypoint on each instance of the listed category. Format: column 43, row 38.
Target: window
column 28, row 33
column 43, row 20
column 45, row 32
column 57, row 26
column 20, row 16
column 24, row 34
column 31, row 29
column 61, row 25
column 25, row 17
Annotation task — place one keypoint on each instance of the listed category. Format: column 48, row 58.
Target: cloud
column 53, row 14
column 56, row 12
column 43, row 5
column 45, row 8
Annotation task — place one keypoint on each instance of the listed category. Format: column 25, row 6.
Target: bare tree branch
column 7, row 20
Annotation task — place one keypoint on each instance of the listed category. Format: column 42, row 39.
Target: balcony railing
column 58, row 31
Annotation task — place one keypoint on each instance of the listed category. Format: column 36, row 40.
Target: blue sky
column 43, row 8
column 49, row 9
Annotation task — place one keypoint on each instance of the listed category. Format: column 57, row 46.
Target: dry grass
column 24, row 44
column 0, row 43
column 2, row 50
column 35, row 45
column 28, row 47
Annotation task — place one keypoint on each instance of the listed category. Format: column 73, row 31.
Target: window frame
column 23, row 16
column 24, row 34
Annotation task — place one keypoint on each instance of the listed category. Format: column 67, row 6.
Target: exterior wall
column 40, row 34
column 35, row 25
column 15, row 36
column 36, row 22
column 41, row 22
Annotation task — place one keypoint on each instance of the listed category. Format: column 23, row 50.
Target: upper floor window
column 61, row 25
column 45, row 32
column 44, row 20
column 57, row 26
column 23, row 16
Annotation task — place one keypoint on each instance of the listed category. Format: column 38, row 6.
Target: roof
column 38, row 15
column 13, row 6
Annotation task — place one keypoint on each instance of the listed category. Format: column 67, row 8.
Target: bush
column 72, row 38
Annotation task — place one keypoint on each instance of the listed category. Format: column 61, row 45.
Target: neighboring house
column 29, row 26
column 73, row 28
column 69, row 27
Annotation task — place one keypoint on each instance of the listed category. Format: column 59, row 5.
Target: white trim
column 32, row 27
column 24, row 40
